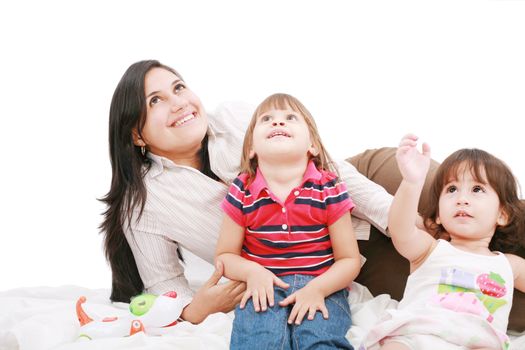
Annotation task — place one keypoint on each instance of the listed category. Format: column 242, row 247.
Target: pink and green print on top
column 463, row 291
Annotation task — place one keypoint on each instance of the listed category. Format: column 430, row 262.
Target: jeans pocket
column 340, row 300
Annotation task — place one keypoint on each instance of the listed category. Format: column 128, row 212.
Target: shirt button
column 296, row 193
column 284, row 226
column 284, row 210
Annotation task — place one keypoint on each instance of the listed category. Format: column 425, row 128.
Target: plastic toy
column 148, row 313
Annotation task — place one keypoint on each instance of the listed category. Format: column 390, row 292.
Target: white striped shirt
column 183, row 205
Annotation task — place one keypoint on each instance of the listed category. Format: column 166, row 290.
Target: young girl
column 288, row 235
column 459, row 292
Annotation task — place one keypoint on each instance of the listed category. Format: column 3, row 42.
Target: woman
column 172, row 164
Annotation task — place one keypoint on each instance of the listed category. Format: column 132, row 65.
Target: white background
column 452, row 72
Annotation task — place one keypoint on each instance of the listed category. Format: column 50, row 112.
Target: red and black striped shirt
column 290, row 237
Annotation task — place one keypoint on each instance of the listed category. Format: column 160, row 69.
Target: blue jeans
column 270, row 329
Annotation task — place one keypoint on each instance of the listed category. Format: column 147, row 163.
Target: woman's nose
column 280, row 123
column 177, row 103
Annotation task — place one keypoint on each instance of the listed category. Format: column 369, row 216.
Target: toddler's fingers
column 263, row 300
column 269, row 294
column 300, row 315
column 426, row 149
column 256, row 301
column 280, row 283
column 288, row 300
column 324, row 311
column 244, row 299
column 311, row 313
column 293, row 314
column 410, row 136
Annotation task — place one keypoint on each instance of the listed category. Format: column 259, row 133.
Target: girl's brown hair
column 282, row 101
column 507, row 238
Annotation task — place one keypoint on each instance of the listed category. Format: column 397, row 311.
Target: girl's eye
column 178, row 87
column 291, row 117
column 266, row 118
column 477, row 189
column 154, row 100
column 451, row 189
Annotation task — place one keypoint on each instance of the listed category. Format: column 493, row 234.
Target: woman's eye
column 291, row 117
column 179, row 87
column 154, row 100
column 266, row 118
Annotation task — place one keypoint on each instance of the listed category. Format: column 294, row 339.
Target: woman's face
column 176, row 121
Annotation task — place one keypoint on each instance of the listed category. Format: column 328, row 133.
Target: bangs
column 282, row 102
column 483, row 167
column 459, row 168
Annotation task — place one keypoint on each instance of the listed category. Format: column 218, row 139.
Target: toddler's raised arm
column 410, row 242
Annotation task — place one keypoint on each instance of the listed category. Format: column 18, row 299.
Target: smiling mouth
column 184, row 120
column 462, row 214
column 278, row 133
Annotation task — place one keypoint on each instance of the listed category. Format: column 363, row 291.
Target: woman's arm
column 161, row 271
column 213, row 297
column 372, row 202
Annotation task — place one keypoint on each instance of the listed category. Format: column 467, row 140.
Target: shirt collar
column 259, row 183
column 158, row 163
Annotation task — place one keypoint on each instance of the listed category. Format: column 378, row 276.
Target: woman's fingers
column 216, row 275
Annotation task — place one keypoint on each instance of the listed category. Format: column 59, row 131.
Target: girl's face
column 176, row 121
column 281, row 133
column 468, row 208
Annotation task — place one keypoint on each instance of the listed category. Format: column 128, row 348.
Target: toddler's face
column 281, row 133
column 469, row 208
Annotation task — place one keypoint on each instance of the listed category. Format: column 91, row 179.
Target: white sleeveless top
column 463, row 282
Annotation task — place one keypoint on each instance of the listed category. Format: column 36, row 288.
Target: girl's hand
column 213, row 297
column 259, row 287
column 307, row 300
column 413, row 164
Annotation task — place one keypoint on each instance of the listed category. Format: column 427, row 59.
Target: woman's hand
column 259, row 287
column 308, row 299
column 213, row 297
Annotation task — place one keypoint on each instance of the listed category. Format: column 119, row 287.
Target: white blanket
column 44, row 318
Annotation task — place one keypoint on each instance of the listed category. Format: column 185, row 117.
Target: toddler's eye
column 451, row 189
column 266, row 118
column 291, row 117
column 477, row 189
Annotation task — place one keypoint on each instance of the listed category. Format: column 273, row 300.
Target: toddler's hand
column 412, row 164
column 307, row 300
column 259, row 287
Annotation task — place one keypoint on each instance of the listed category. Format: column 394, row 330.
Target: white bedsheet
column 44, row 318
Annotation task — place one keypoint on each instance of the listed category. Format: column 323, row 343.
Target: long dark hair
column 508, row 238
column 129, row 165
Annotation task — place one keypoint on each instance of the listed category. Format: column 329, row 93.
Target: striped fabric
column 290, row 237
column 183, row 206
